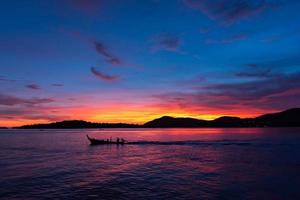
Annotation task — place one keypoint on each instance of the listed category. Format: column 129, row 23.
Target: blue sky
column 88, row 59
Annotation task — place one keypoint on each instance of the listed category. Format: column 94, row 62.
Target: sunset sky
column 136, row 60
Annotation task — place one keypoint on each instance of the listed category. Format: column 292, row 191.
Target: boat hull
column 103, row 142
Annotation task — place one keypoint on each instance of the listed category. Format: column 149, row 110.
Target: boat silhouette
column 94, row 141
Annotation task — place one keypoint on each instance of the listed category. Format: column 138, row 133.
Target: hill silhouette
column 78, row 124
column 288, row 118
column 227, row 121
column 167, row 121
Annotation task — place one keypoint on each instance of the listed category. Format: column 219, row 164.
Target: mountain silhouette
column 167, row 121
column 78, row 124
column 227, row 121
column 288, row 118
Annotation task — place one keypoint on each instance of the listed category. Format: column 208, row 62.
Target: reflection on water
column 158, row 164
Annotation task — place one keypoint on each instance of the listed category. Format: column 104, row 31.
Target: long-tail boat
column 94, row 141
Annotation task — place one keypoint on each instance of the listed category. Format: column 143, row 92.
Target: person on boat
column 118, row 140
column 122, row 140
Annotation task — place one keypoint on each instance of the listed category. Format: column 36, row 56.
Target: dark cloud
column 282, row 36
column 8, row 100
column 103, row 76
column 284, row 63
column 192, row 82
column 256, row 74
column 167, row 42
column 103, row 50
column 89, row 7
column 57, row 85
column 3, row 78
column 230, row 11
column 250, row 65
column 204, row 30
column 290, row 61
column 30, row 113
column 275, row 92
column 228, row 40
column 257, row 89
column 33, row 86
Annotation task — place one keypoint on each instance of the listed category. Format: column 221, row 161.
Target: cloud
column 284, row 63
column 282, row 36
column 228, row 40
column 250, row 65
column 256, row 89
column 3, row 78
column 26, row 115
column 57, row 85
column 230, row 11
column 273, row 92
column 103, row 76
column 167, row 42
column 8, row 100
column 106, row 54
column 33, row 86
column 290, row 61
column 204, row 30
column 256, row 74
column 17, row 110
column 90, row 7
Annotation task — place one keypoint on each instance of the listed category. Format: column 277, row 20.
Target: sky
column 132, row 61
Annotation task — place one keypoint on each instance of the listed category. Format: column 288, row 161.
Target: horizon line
column 140, row 124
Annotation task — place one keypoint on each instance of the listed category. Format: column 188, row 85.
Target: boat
column 94, row 141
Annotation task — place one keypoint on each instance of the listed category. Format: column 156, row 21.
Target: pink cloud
column 9, row 100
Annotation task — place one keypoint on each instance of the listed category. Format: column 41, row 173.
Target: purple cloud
column 31, row 113
column 33, row 86
column 285, row 62
column 87, row 7
column 57, row 85
column 230, row 11
column 256, row 74
column 103, row 76
column 167, row 42
column 277, row 37
column 106, row 54
column 8, row 100
column 253, row 90
column 204, row 30
column 250, row 65
column 3, row 78
column 229, row 40
column 274, row 92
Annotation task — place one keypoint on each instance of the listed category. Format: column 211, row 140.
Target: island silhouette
column 287, row 118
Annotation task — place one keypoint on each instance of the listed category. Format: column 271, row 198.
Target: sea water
column 210, row 163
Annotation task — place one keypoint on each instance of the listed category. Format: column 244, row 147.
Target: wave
column 192, row 143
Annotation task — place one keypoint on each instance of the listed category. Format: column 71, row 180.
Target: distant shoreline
column 265, row 127
column 289, row 118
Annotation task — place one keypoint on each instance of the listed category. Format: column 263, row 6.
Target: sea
column 170, row 163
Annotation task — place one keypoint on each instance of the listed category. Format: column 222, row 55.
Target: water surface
column 162, row 164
